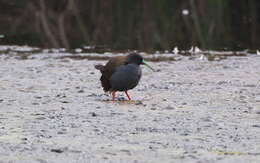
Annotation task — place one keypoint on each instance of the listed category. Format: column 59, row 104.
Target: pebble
column 169, row 108
column 57, row 150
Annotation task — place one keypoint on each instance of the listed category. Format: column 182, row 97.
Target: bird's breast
column 125, row 77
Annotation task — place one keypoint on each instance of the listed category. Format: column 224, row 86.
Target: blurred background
column 145, row 25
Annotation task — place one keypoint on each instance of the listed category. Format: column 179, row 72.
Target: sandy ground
column 54, row 110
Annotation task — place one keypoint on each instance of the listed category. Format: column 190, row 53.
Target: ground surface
column 190, row 110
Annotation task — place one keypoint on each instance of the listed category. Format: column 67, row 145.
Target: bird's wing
column 109, row 69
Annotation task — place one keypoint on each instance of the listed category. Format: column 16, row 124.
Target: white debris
column 78, row 50
column 185, row 12
column 108, row 53
column 257, row 52
column 175, row 50
column 197, row 50
column 191, row 50
column 202, row 57
column 62, row 49
column 45, row 50
column 55, row 50
column 143, row 53
column 88, row 47
column 18, row 48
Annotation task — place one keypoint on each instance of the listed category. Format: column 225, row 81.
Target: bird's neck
column 132, row 64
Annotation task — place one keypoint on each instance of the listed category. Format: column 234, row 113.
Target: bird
column 121, row 73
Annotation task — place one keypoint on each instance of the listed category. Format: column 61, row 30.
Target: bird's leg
column 113, row 95
column 129, row 98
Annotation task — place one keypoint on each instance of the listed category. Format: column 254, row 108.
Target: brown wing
column 108, row 70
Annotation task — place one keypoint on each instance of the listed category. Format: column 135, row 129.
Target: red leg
column 113, row 95
column 129, row 98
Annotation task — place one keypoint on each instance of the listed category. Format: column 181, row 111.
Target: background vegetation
column 132, row 24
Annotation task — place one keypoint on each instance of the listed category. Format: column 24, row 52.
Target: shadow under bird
column 121, row 73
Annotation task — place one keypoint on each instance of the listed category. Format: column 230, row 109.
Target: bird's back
column 108, row 70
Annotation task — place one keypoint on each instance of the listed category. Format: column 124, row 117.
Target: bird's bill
column 146, row 64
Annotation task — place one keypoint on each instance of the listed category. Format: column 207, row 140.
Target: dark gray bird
column 121, row 73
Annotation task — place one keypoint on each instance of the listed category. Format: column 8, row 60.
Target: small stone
column 242, row 97
column 221, row 82
column 41, row 161
column 169, row 108
column 40, row 118
column 81, row 91
column 92, row 95
column 65, row 102
column 57, row 150
column 126, row 151
column 138, row 103
column 226, row 67
column 254, row 154
column 184, row 134
column 93, row 114
column 192, row 156
column 250, row 85
column 258, row 126
column 75, row 151
column 153, row 86
column 61, row 95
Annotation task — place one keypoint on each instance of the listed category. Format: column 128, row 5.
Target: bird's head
column 137, row 59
